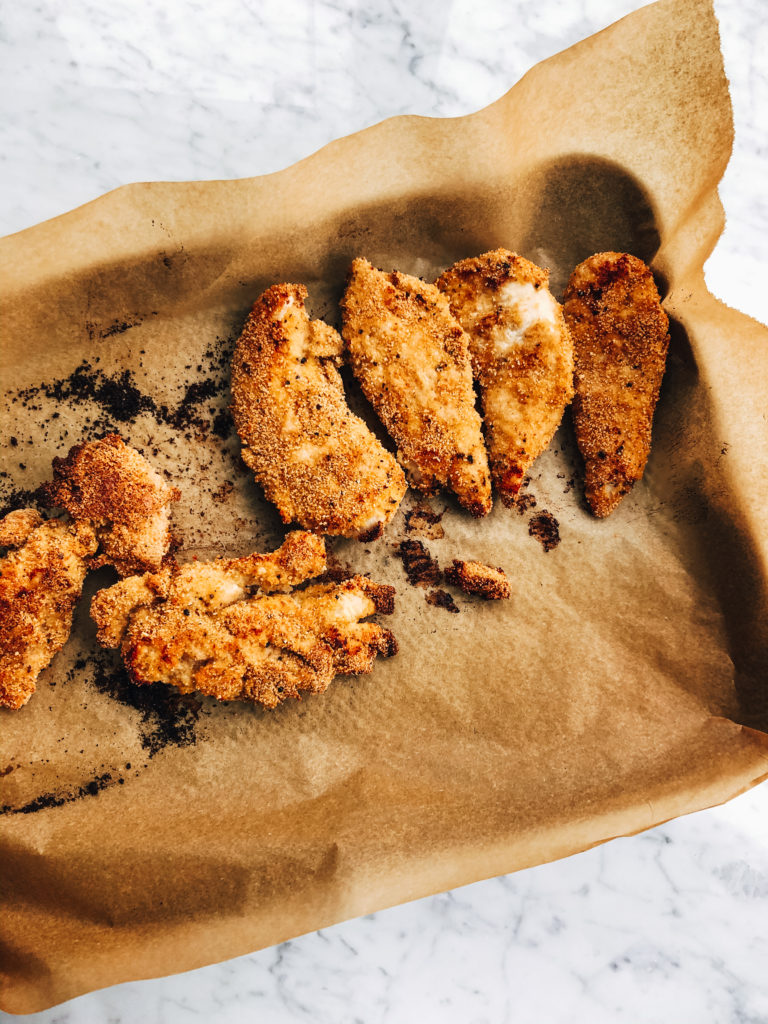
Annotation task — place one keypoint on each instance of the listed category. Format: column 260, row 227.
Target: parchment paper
column 623, row 684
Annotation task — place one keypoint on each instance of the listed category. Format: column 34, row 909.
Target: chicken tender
column 223, row 629
column 620, row 337
column 412, row 360
column 316, row 460
column 109, row 486
column 480, row 579
column 522, row 357
column 40, row 582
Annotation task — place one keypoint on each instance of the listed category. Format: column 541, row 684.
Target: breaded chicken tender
column 223, row 629
column 522, row 357
column 40, row 582
column 316, row 460
column 111, row 487
column 620, row 337
column 479, row 579
column 412, row 360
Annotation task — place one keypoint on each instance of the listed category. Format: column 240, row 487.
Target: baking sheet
column 623, row 684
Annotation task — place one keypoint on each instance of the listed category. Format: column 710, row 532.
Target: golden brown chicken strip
column 112, row 488
column 40, row 582
column 220, row 628
column 480, row 579
column 316, row 460
column 412, row 360
column 522, row 357
column 620, row 338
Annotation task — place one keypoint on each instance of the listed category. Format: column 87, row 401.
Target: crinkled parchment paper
column 623, row 684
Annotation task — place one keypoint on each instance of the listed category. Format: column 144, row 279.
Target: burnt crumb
column 221, row 494
column 441, row 599
column 335, row 571
column 117, row 395
column 20, row 498
column 118, row 398
column 524, row 503
column 569, row 485
column 425, row 521
column 118, row 327
column 223, row 425
column 420, row 567
column 546, row 529
column 46, row 800
column 197, row 392
column 168, row 718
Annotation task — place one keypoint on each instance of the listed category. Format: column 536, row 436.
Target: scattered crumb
column 421, row 568
column 441, row 599
column 221, row 494
column 524, row 503
column 478, row 578
column 425, row 522
column 335, row 571
column 546, row 529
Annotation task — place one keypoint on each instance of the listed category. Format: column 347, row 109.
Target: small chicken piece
column 316, row 460
column 412, row 360
column 620, row 337
column 522, row 357
column 16, row 526
column 111, row 487
column 480, row 579
column 222, row 629
column 40, row 582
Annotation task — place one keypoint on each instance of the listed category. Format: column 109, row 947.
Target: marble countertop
column 671, row 925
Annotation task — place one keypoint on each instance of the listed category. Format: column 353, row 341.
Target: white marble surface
column 668, row 926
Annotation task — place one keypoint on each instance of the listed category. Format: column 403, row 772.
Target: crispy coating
column 522, row 357
column 412, row 360
column 316, row 460
column 221, row 629
column 480, row 579
column 620, row 336
column 40, row 582
column 17, row 526
column 112, row 488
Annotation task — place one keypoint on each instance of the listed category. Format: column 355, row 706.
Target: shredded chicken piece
column 480, row 579
column 522, row 357
column 316, row 460
column 620, row 337
column 40, row 581
column 222, row 629
column 112, row 488
column 412, row 360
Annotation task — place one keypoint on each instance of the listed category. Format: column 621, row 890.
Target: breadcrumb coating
column 412, row 360
column 522, row 357
column 316, row 460
column 111, row 487
column 480, row 579
column 40, row 582
column 221, row 628
column 620, row 336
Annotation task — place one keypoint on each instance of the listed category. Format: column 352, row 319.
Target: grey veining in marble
column 669, row 926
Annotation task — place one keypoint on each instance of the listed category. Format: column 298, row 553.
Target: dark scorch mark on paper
column 545, row 529
column 441, row 599
column 167, row 719
column 425, row 522
column 421, row 568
